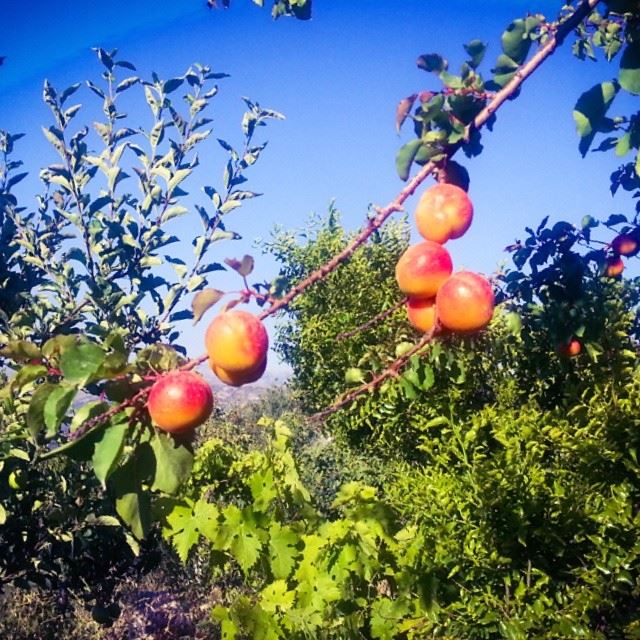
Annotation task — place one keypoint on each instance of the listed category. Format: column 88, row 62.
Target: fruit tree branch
column 380, row 217
column 370, row 323
column 562, row 31
column 390, row 372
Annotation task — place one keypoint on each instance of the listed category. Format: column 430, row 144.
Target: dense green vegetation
column 489, row 488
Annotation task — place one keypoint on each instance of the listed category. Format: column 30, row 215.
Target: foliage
column 300, row 9
column 345, row 299
column 506, row 474
column 105, row 294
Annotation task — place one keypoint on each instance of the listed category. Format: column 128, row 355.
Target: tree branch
column 374, row 223
column 391, row 371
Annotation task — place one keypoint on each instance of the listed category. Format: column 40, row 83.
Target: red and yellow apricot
column 625, row 244
column 465, row 302
column 236, row 341
column 614, row 266
column 180, row 401
column 444, row 212
column 238, row 378
column 421, row 313
column 422, row 269
column 569, row 349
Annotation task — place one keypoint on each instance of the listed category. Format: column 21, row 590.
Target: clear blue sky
column 338, row 79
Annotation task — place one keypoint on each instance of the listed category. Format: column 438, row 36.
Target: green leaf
column 99, row 203
column 87, row 412
column 174, row 212
column 405, row 158
column 203, row 301
column 629, row 74
column 35, row 413
column 28, row 373
column 20, row 350
column 277, row 597
column 432, row 62
column 515, row 41
column 108, row 448
column 504, row 70
column 283, row 550
column 242, row 536
column 590, row 111
column 353, row 375
column 56, row 406
column 80, row 361
column 263, row 489
column 476, row 50
column 623, row 145
column 173, row 463
column 132, row 501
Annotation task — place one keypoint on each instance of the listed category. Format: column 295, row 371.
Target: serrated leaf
column 242, row 536
column 353, row 375
column 203, row 301
column 283, row 550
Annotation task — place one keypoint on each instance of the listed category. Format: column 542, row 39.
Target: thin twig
column 390, row 372
column 370, row 323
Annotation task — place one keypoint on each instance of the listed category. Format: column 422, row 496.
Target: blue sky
column 337, row 79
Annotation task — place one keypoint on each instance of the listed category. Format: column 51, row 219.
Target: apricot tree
column 91, row 314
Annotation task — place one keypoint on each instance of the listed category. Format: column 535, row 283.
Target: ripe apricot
column 625, row 244
column 465, row 302
column 614, row 266
column 569, row 349
column 421, row 313
column 444, row 212
column 180, row 401
column 422, row 268
column 238, row 378
column 236, row 341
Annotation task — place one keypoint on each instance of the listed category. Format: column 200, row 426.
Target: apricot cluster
column 624, row 244
column 237, row 344
column 461, row 302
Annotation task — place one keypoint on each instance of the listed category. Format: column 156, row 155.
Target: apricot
column 444, row 212
column 236, row 341
column 238, row 378
column 625, row 244
column 614, row 266
column 465, row 302
column 180, row 401
column 421, row 313
column 569, row 349
column 422, row 268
